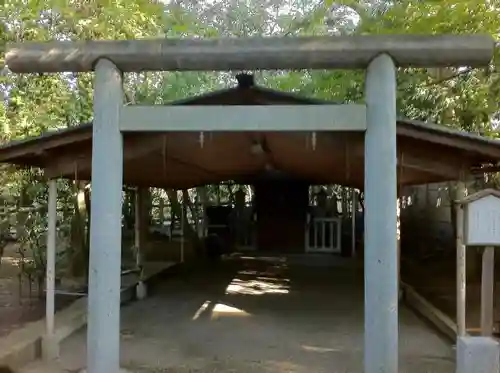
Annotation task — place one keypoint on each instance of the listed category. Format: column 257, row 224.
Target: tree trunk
column 452, row 196
column 161, row 212
column 79, row 257
column 203, row 195
column 344, row 202
column 148, row 206
column 232, row 199
column 87, row 234
column 128, row 208
column 218, row 194
column 177, row 212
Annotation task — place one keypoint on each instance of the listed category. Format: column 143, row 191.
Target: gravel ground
column 258, row 316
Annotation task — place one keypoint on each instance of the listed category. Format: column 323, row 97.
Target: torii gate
column 378, row 54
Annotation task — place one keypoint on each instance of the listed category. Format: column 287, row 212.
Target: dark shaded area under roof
column 426, row 152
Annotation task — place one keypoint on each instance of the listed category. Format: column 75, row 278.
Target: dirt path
column 17, row 307
column 255, row 316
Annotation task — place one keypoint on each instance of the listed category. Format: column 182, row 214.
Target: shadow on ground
column 261, row 315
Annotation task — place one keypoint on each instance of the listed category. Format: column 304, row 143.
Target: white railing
column 323, row 235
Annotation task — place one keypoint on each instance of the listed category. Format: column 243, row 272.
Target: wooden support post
column 461, row 265
column 399, row 206
column 140, row 223
column 183, row 212
column 487, row 291
column 204, row 204
column 50, row 345
column 343, row 202
column 399, row 248
column 353, row 222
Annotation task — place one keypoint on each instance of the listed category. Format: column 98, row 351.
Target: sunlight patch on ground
column 218, row 310
column 202, row 309
column 257, row 287
column 225, row 310
column 320, row 349
column 286, row 367
column 271, row 259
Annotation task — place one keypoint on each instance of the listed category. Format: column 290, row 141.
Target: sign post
column 481, row 227
column 478, row 224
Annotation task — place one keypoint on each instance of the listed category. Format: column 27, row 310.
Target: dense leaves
column 462, row 98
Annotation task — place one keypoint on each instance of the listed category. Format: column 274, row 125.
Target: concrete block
column 478, row 355
column 141, row 290
column 50, row 348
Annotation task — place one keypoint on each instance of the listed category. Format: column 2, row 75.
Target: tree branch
column 456, row 75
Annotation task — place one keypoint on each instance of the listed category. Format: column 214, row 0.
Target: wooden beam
column 318, row 52
column 432, row 166
column 485, row 170
column 67, row 165
column 444, row 166
column 438, row 318
column 466, row 143
column 244, row 118
column 43, row 145
column 488, row 291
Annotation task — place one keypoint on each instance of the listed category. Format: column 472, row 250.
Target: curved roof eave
column 16, row 150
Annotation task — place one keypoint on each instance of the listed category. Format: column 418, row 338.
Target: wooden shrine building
column 281, row 165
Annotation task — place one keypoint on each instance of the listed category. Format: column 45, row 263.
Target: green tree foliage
column 33, row 103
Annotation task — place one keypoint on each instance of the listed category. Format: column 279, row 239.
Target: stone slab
column 478, row 355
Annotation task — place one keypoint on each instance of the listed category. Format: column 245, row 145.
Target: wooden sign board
column 482, row 218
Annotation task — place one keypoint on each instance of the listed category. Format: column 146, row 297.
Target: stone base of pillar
column 141, row 290
column 477, row 355
column 50, row 349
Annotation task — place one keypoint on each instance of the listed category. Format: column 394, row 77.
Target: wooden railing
column 323, row 234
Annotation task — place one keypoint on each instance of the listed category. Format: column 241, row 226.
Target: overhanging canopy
column 426, row 153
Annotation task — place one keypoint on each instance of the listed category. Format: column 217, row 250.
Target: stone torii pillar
column 103, row 332
column 381, row 258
